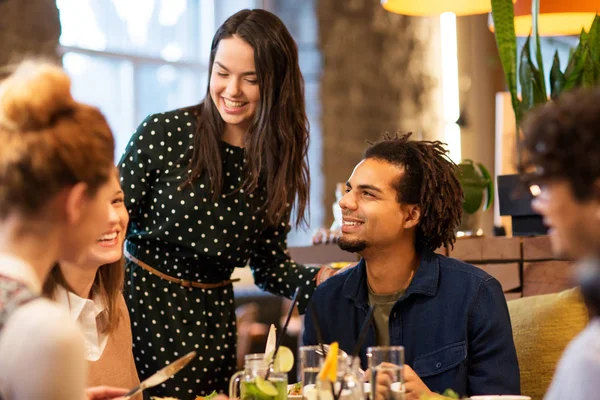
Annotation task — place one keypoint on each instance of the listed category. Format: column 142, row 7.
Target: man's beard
column 352, row 246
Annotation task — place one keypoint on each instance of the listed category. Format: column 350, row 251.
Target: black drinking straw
column 363, row 332
column 283, row 329
column 313, row 311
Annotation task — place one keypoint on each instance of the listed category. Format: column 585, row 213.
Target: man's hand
column 413, row 385
column 383, row 383
column 105, row 393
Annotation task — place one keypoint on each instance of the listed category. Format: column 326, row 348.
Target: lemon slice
column 329, row 370
column 271, row 340
column 266, row 387
column 284, row 361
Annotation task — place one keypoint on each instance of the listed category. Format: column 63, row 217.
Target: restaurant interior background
column 367, row 71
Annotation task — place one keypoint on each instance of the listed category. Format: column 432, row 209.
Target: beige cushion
column 542, row 326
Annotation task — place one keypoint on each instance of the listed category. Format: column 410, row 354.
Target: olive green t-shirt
column 381, row 316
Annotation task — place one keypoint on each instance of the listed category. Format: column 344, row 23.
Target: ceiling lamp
column 436, row 7
column 557, row 17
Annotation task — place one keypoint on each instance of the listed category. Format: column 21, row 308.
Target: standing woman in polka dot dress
column 209, row 188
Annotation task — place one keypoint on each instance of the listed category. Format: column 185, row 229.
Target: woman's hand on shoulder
column 326, row 236
column 331, row 269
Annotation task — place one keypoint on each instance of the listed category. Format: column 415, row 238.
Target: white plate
column 366, row 388
column 500, row 397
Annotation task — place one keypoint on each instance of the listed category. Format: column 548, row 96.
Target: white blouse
column 87, row 313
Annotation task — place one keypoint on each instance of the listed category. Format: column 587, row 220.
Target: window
column 132, row 58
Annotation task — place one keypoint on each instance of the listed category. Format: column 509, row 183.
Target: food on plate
column 295, row 389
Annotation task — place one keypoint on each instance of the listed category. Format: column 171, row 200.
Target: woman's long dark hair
column 276, row 145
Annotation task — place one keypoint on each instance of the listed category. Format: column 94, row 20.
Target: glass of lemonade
column 387, row 360
column 252, row 382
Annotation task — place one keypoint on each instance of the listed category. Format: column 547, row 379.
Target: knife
column 162, row 375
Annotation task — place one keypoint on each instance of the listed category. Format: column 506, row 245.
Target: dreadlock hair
column 429, row 181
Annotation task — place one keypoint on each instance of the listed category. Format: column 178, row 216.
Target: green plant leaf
column 557, row 78
column 583, row 36
column 489, row 188
column 594, row 39
column 473, row 199
column 503, row 15
column 533, row 91
column 526, row 77
column 574, row 69
column 473, row 185
column 539, row 88
column 587, row 78
column 574, row 57
column 535, row 10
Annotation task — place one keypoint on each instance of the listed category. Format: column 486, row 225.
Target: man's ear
column 413, row 215
column 75, row 202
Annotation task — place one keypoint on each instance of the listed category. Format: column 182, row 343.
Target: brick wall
column 376, row 77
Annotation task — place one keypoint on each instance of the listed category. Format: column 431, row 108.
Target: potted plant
column 582, row 70
column 478, row 189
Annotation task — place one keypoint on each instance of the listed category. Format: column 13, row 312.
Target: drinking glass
column 385, row 366
column 252, row 382
column 311, row 359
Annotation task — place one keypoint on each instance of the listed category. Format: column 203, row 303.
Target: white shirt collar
column 20, row 270
column 85, row 313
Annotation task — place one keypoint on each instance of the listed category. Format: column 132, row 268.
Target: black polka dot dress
column 186, row 234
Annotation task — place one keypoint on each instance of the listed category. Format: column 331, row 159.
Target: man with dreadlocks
column 402, row 202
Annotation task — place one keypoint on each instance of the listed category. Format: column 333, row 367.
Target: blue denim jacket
column 452, row 320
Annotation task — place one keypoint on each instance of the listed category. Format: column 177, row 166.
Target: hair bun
column 32, row 97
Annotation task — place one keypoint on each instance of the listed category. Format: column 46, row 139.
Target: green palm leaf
column 557, row 78
column 594, row 39
column 503, row 15
column 540, row 77
column 525, row 76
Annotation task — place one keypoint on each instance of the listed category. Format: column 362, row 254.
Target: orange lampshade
column 557, row 17
column 436, row 7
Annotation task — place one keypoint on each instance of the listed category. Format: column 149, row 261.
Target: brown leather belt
column 181, row 282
